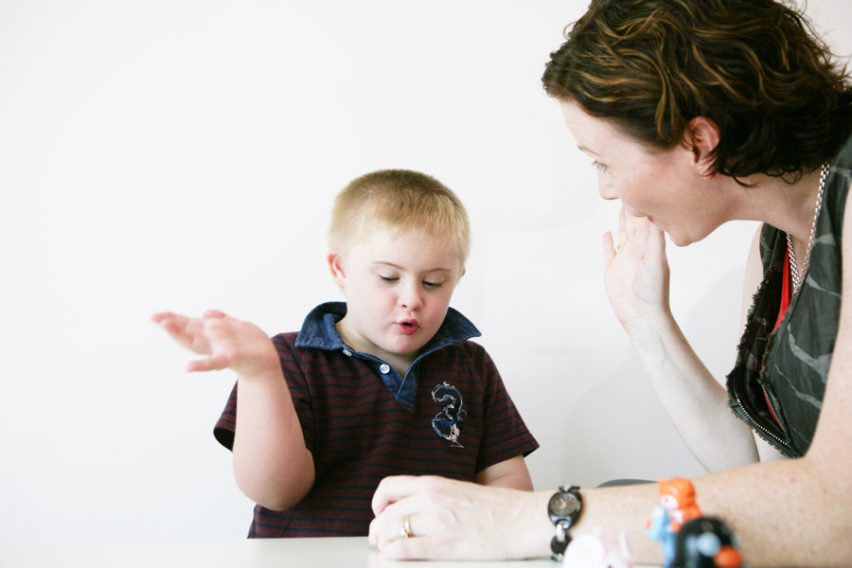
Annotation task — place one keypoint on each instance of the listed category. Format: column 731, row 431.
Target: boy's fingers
column 174, row 329
column 160, row 316
column 212, row 363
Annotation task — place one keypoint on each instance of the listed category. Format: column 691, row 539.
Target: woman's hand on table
column 450, row 519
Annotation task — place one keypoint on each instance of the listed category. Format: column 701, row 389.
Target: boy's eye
column 599, row 166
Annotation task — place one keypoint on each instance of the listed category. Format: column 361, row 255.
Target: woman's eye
column 388, row 278
column 599, row 166
column 432, row 284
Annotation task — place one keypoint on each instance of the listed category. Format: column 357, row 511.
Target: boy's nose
column 411, row 298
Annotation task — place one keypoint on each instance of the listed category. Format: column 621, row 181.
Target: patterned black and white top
column 789, row 366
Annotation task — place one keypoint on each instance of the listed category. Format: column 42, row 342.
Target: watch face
column 564, row 504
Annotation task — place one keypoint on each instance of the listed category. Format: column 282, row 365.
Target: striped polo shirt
column 450, row 415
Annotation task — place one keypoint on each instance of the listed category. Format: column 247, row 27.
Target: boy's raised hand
column 227, row 343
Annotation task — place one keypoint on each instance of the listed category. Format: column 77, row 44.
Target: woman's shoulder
column 844, row 156
column 836, row 190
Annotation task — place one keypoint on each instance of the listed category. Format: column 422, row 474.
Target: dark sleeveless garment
column 791, row 364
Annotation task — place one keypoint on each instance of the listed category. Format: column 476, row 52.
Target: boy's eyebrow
column 392, row 265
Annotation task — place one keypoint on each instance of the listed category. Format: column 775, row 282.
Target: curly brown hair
column 754, row 67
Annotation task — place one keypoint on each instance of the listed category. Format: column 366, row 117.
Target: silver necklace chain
column 795, row 272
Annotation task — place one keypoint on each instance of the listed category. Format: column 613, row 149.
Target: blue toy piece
column 661, row 530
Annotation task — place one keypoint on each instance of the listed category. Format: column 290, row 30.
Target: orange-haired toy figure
column 677, row 506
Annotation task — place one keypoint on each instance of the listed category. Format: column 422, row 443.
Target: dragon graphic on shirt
column 449, row 422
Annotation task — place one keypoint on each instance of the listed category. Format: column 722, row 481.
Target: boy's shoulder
column 285, row 340
column 471, row 347
column 288, row 337
column 466, row 354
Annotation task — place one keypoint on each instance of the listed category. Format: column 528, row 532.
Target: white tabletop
column 254, row 553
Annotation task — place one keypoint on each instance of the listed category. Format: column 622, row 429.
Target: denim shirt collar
column 319, row 332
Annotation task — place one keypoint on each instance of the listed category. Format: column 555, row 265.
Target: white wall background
column 184, row 154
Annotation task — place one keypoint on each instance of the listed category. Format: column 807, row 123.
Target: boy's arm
column 511, row 473
column 272, row 466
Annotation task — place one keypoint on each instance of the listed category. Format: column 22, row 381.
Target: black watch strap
column 560, row 541
column 564, row 509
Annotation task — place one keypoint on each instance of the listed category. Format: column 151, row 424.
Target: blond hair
column 399, row 200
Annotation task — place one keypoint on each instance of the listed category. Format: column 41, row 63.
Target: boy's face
column 398, row 288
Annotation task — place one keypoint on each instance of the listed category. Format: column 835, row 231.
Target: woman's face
column 665, row 186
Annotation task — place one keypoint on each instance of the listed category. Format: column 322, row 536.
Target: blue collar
column 319, row 332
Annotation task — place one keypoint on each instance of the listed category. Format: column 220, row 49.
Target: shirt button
column 384, row 368
column 347, row 353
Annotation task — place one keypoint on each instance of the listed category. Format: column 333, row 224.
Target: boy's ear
column 335, row 266
column 702, row 136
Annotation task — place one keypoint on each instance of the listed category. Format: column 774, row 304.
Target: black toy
column 706, row 542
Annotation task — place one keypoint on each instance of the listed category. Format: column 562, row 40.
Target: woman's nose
column 607, row 192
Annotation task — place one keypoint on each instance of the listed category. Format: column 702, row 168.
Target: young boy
column 384, row 384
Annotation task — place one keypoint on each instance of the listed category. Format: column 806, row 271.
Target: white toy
column 590, row 551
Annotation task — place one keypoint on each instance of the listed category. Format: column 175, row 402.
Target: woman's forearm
column 785, row 513
column 770, row 507
column 695, row 402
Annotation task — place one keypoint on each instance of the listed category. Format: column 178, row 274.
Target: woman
column 699, row 112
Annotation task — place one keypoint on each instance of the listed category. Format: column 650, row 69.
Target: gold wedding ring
column 406, row 527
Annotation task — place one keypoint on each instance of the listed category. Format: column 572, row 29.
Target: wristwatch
column 564, row 509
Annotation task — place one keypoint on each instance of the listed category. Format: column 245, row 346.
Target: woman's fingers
column 405, row 508
column 448, row 518
column 656, row 242
column 416, row 548
column 607, row 247
column 395, row 524
column 392, row 489
column 622, row 227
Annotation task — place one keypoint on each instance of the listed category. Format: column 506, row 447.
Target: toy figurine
column 677, row 506
column 590, row 551
column 706, row 542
